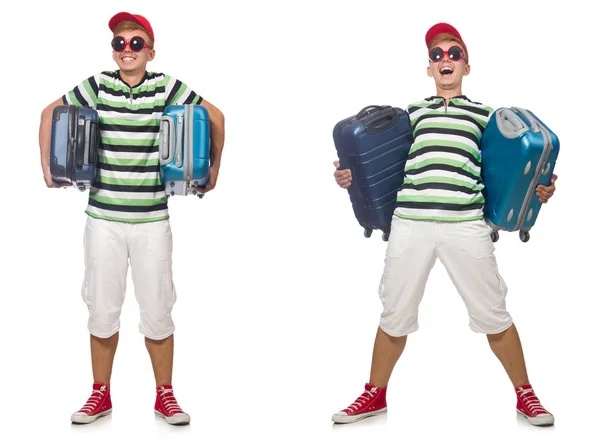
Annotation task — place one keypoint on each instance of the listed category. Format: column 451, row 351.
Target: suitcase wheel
column 495, row 236
column 368, row 232
column 81, row 187
column 196, row 192
column 524, row 236
column 386, row 236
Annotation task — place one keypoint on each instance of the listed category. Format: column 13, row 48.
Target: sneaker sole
column 174, row 420
column 541, row 420
column 346, row 419
column 87, row 419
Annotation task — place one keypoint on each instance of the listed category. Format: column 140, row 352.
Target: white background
column 277, row 287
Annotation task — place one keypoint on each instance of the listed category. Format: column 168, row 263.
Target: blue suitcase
column 74, row 145
column 374, row 145
column 184, row 147
column 518, row 153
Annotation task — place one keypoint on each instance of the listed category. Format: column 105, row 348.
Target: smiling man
column 439, row 215
column 128, row 220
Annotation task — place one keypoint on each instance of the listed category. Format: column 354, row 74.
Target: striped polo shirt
column 443, row 171
column 127, row 187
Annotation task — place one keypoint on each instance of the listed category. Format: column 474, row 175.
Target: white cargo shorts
column 466, row 251
column 109, row 247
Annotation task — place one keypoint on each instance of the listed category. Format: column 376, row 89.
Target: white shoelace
column 169, row 401
column 532, row 402
column 362, row 400
column 93, row 400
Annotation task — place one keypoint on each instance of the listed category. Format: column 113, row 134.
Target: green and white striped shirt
column 127, row 186
column 443, row 171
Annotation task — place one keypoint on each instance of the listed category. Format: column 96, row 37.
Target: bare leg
column 161, row 355
column 386, row 351
column 103, row 354
column 507, row 347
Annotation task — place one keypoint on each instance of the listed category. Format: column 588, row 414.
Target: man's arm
column 179, row 93
column 217, row 141
column 217, row 132
column 44, row 137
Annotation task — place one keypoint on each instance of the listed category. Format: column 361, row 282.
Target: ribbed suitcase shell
column 374, row 145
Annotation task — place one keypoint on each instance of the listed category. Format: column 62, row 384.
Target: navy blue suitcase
column 74, row 145
column 374, row 145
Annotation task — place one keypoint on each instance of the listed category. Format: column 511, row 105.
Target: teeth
column 128, row 59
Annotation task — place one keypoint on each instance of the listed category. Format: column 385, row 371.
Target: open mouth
column 446, row 71
column 127, row 59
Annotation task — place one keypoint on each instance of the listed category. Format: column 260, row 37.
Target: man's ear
column 429, row 73
column 467, row 69
column 151, row 55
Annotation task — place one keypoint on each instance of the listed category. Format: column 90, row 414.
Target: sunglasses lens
column 436, row 54
column 455, row 53
column 118, row 43
column 137, row 44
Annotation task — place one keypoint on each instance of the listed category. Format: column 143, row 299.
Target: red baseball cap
column 443, row 28
column 127, row 17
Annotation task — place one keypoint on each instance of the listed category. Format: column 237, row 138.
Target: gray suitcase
column 74, row 145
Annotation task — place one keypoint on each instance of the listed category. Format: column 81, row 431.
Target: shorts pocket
column 475, row 240
column 401, row 238
column 169, row 292
column 160, row 247
column 87, row 288
column 497, row 285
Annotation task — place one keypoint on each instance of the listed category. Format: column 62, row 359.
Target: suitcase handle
column 73, row 113
column 383, row 121
column 166, row 139
column 94, row 143
column 510, row 117
column 347, row 163
column 532, row 121
column 80, row 144
column 91, row 143
column 365, row 111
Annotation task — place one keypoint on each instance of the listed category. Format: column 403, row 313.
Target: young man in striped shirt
column 439, row 214
column 127, row 209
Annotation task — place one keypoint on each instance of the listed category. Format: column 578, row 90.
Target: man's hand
column 544, row 193
column 342, row 177
column 50, row 182
column 212, row 180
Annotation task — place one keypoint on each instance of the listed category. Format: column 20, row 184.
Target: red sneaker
column 370, row 403
column 529, row 406
column 98, row 405
column 166, row 406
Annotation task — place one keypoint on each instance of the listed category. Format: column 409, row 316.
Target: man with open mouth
column 439, row 215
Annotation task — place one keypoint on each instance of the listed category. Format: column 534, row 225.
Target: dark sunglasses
column 455, row 53
column 136, row 44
